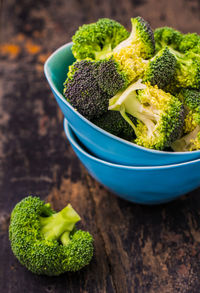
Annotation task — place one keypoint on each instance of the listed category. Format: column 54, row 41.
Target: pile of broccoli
column 142, row 86
column 46, row 242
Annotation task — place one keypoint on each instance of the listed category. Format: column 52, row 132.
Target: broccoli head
column 185, row 50
column 187, row 69
column 96, row 40
column 167, row 36
column 191, row 140
column 161, row 68
column 141, row 40
column 82, row 90
column 46, row 242
column 113, row 122
column 110, row 76
column 160, row 116
column 189, row 41
column 132, row 52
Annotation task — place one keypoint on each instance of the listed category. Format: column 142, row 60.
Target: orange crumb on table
column 43, row 57
column 39, row 68
column 12, row 50
column 32, row 48
column 20, row 37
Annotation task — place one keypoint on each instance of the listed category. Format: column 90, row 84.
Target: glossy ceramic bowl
column 99, row 142
column 144, row 185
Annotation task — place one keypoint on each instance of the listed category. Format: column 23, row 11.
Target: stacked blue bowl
column 135, row 173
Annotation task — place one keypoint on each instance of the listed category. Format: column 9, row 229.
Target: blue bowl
column 144, row 185
column 99, row 142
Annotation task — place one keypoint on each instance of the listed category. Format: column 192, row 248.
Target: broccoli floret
column 191, row 140
column 161, row 68
column 113, row 122
column 187, row 72
column 132, row 52
column 126, row 61
column 96, row 40
column 46, row 242
column 110, row 76
column 82, row 90
column 189, row 42
column 141, row 40
column 160, row 116
column 167, row 36
column 187, row 69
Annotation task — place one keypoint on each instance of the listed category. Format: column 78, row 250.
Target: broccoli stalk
column 141, row 39
column 46, row 242
column 189, row 142
column 54, row 226
column 159, row 115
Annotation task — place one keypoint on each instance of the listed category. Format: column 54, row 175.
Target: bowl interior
column 56, row 66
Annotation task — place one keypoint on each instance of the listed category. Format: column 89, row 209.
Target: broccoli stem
column 107, row 49
column 147, row 114
column 180, row 57
column 54, row 226
column 185, row 143
column 65, row 238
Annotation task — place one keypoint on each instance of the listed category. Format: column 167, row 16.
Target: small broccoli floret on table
column 160, row 116
column 161, row 68
column 191, row 140
column 82, row 89
column 46, row 242
column 167, row 36
column 113, row 122
column 96, row 40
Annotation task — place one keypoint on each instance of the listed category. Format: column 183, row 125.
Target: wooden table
column 137, row 248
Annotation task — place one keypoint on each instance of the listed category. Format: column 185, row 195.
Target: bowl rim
column 72, row 138
column 121, row 140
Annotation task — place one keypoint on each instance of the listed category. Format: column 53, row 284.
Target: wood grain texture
column 137, row 249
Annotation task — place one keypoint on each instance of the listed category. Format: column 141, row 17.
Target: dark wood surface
column 137, row 248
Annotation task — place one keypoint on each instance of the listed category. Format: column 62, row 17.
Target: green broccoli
column 187, row 69
column 113, row 122
column 187, row 73
column 191, row 140
column 46, row 242
column 82, row 90
column 141, row 40
column 160, row 116
column 189, row 41
column 96, row 40
column 167, row 36
column 110, row 76
column 126, row 61
column 161, row 68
